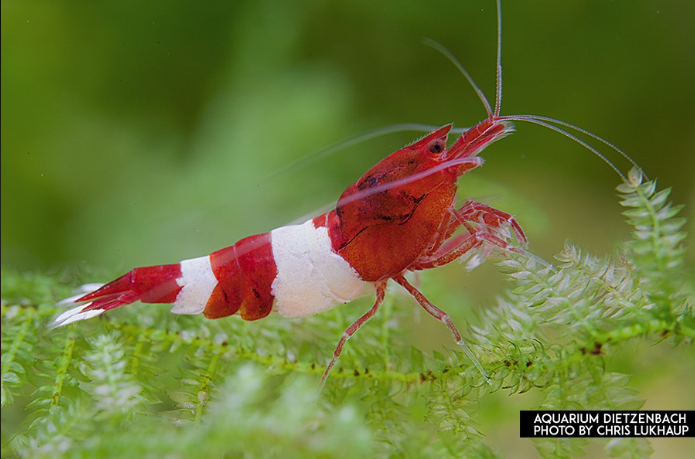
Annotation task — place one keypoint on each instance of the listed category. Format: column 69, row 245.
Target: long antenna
column 544, row 121
column 459, row 66
column 317, row 155
column 548, row 125
column 537, row 119
column 498, row 95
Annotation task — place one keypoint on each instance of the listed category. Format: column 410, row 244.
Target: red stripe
column 151, row 284
column 157, row 284
column 245, row 272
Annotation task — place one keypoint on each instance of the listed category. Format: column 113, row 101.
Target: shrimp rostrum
column 400, row 216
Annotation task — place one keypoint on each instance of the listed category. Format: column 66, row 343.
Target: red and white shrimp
column 399, row 217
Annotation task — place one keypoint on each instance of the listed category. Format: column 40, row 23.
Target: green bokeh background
column 147, row 132
column 138, row 133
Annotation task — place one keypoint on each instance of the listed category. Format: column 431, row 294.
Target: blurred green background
column 138, row 133
column 147, row 132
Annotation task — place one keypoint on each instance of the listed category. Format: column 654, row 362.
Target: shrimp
column 399, row 217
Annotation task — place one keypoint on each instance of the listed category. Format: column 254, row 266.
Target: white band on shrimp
column 197, row 282
column 74, row 315
column 311, row 277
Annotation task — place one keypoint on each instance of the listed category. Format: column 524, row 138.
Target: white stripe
column 311, row 277
column 74, row 315
column 197, row 281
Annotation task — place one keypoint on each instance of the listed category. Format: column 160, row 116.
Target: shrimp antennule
column 544, row 121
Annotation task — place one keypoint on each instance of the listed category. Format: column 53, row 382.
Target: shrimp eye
column 436, row 146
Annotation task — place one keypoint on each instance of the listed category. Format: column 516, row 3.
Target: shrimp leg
column 481, row 223
column 352, row 329
column 443, row 317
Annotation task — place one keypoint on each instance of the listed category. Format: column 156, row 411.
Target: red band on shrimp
column 245, row 273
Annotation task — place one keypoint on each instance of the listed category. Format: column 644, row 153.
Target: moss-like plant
column 141, row 382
